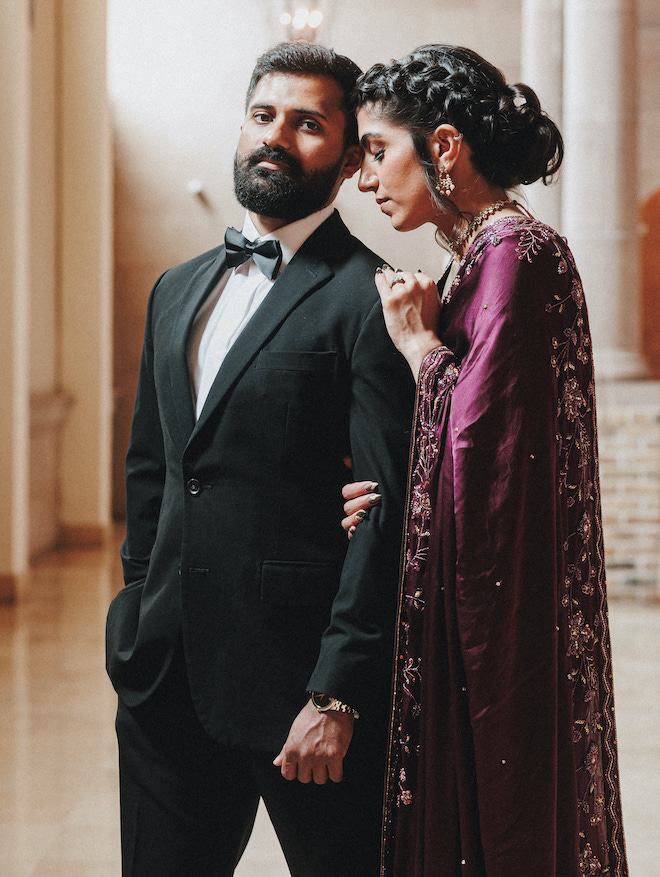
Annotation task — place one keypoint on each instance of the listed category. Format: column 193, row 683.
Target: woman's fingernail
column 375, row 498
column 369, row 486
column 379, row 270
column 361, row 514
column 386, row 267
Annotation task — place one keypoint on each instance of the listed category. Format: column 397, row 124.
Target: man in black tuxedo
column 251, row 645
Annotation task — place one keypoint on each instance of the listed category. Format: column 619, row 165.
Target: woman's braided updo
column 512, row 141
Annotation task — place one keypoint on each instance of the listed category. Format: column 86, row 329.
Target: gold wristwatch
column 324, row 704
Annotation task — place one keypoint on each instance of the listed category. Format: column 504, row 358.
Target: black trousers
column 188, row 805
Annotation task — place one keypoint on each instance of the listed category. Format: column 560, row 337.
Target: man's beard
column 289, row 194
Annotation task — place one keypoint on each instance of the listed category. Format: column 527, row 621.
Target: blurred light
column 301, row 18
column 303, row 22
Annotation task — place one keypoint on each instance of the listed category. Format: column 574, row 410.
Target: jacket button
column 194, row 487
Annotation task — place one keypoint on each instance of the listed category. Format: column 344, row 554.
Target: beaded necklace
column 456, row 245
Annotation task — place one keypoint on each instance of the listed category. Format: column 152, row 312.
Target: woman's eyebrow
column 370, row 135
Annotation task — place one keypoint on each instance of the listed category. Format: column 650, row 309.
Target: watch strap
column 324, row 704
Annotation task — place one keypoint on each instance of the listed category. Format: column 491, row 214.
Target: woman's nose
column 368, row 180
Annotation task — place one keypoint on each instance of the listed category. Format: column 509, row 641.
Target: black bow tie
column 266, row 254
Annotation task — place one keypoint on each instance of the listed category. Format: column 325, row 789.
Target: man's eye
column 262, row 117
column 378, row 156
column 308, row 125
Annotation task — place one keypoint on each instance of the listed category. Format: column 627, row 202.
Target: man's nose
column 277, row 134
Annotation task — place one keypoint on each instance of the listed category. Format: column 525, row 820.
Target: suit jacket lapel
column 201, row 284
column 305, row 273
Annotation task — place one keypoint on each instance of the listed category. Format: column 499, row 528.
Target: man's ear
column 352, row 161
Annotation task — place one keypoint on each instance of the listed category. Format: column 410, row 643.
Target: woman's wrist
column 416, row 352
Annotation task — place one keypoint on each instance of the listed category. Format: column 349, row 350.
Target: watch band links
column 324, row 703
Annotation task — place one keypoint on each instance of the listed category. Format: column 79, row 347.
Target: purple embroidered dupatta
column 503, row 755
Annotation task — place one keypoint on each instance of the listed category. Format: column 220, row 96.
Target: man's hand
column 316, row 746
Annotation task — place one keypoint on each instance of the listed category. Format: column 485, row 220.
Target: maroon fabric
column 503, row 753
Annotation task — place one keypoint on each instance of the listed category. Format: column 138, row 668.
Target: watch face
column 321, row 701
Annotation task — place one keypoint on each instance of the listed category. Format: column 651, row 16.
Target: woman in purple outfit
column 503, row 758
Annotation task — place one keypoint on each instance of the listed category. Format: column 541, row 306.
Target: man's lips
column 271, row 165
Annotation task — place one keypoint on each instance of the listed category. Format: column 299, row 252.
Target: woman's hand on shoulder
column 360, row 496
column 411, row 306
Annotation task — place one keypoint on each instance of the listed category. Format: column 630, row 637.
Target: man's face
column 291, row 156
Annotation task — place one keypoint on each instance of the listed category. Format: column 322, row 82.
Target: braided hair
column 512, row 141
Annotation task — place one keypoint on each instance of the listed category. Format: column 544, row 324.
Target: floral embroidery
column 405, row 795
column 573, row 399
column 585, row 528
column 442, row 375
column 411, row 676
column 589, row 864
column 530, row 241
column 591, row 760
column 428, row 448
column 580, row 634
column 577, row 293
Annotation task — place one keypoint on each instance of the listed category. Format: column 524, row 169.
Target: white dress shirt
column 236, row 297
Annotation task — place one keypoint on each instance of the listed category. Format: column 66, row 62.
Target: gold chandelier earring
column 445, row 184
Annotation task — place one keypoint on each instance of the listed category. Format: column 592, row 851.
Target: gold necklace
column 456, row 245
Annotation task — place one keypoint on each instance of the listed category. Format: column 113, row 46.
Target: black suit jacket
column 233, row 522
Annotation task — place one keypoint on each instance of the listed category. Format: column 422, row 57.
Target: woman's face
column 392, row 171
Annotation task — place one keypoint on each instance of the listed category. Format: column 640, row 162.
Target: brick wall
column 629, row 445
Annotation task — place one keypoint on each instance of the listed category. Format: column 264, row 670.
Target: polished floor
column 58, row 774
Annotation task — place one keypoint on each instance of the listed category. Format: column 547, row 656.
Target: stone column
column 599, row 192
column 541, row 68
column 85, row 272
column 14, row 295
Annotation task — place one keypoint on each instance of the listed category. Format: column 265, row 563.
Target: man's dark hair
column 310, row 59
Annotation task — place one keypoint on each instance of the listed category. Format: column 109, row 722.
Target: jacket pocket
column 296, row 583
column 319, row 361
column 122, row 627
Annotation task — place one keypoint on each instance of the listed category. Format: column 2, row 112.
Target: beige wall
column 44, row 310
column 14, row 280
column 85, row 269
column 649, row 180
column 55, row 284
column 648, row 68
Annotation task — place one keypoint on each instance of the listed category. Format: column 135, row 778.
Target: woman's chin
column 404, row 224
column 399, row 223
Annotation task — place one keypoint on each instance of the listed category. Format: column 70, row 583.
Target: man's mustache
column 265, row 153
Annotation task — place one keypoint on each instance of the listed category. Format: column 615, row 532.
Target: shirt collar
column 292, row 236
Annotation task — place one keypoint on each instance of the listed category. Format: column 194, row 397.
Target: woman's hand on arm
column 411, row 307
column 360, row 496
